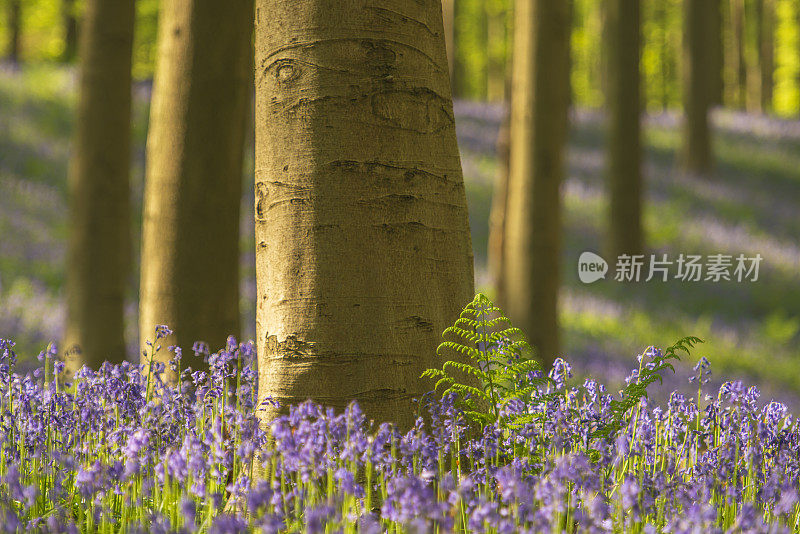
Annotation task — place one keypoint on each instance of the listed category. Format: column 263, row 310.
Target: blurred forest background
column 749, row 204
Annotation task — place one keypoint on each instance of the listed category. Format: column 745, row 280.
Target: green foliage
column 635, row 390
column 495, row 368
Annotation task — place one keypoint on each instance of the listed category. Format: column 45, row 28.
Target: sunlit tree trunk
column 624, row 107
column 717, row 52
column 697, row 157
column 728, row 56
column 190, row 243
column 765, row 16
column 497, row 216
column 99, row 212
column 70, row 20
column 603, row 50
column 738, row 50
column 664, row 71
column 363, row 251
column 539, row 95
column 14, row 31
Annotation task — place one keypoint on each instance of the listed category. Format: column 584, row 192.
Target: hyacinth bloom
column 119, row 450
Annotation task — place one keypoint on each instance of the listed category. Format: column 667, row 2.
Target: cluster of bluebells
column 124, row 449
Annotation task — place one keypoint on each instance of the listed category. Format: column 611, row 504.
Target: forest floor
column 749, row 206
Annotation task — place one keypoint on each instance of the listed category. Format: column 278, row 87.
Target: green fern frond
column 466, row 368
column 635, row 391
column 444, row 380
column 471, row 352
column 470, row 390
column 433, row 373
column 463, row 334
column 496, row 355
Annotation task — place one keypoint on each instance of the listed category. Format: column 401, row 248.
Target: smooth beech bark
column 539, row 97
column 624, row 108
column 195, row 145
column 363, row 250
column 99, row 247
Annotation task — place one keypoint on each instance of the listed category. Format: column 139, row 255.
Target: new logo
column 591, row 267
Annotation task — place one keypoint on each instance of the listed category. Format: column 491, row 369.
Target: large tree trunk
column 363, row 251
column 765, row 16
column 539, row 95
column 99, row 191
column 624, row 107
column 697, row 157
column 14, row 31
column 70, row 19
column 190, row 244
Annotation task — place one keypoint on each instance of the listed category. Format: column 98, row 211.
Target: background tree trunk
column 363, row 250
column 738, row 30
column 697, row 158
column 497, row 216
column 624, row 107
column 717, row 53
column 540, row 90
column 664, row 70
column 766, row 51
column 14, row 31
column 99, row 247
column 190, row 243
column 70, row 18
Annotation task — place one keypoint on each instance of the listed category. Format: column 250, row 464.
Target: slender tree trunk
column 363, row 251
column 604, row 59
column 624, row 106
column 70, row 18
column 765, row 15
column 190, row 243
column 752, row 40
column 497, row 216
column 717, row 53
column 540, row 90
column 99, row 196
column 738, row 27
column 730, row 57
column 14, row 31
column 662, row 21
column 697, row 158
